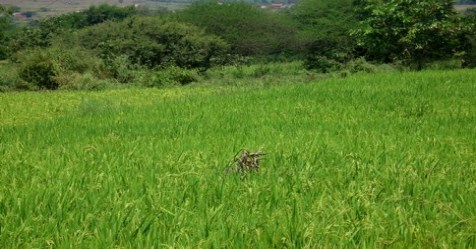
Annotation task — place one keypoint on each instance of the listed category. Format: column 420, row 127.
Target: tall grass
column 366, row 161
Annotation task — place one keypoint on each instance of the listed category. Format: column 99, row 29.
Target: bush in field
column 45, row 68
column 154, row 42
column 360, row 65
column 176, row 75
column 170, row 76
column 118, row 68
column 10, row 80
column 322, row 64
column 39, row 69
column 250, row 31
column 82, row 81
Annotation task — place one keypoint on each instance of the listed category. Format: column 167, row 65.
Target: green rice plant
column 370, row 160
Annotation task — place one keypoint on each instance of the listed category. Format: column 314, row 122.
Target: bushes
column 45, row 68
column 39, row 69
column 154, row 42
column 10, row 80
column 248, row 30
column 119, row 51
column 469, row 56
column 323, row 64
column 171, row 76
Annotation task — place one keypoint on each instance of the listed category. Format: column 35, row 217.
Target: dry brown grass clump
column 245, row 161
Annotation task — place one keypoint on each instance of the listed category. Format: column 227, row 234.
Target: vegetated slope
column 370, row 160
column 45, row 8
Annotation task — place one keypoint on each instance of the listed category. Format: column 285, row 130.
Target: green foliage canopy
column 412, row 31
column 323, row 19
column 5, row 21
column 249, row 30
column 5, row 17
column 48, row 29
column 154, row 42
column 325, row 27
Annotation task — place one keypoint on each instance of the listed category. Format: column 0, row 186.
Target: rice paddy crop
column 384, row 160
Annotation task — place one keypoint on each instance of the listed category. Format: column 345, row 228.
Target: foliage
column 412, row 31
column 45, row 68
column 470, row 12
column 153, row 42
column 170, row 76
column 250, row 31
column 10, row 80
column 325, row 26
column 5, row 21
column 83, row 81
column 469, row 38
column 5, row 18
column 325, row 19
column 104, row 12
column 323, row 64
column 119, row 68
column 48, row 29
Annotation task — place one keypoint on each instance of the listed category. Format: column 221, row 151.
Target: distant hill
column 34, row 9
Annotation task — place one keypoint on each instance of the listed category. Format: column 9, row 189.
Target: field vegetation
column 369, row 161
column 117, row 46
column 126, row 127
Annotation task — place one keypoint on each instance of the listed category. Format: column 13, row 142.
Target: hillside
column 44, row 8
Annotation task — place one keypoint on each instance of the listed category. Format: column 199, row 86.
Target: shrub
column 322, row 64
column 119, row 68
column 170, row 76
column 324, row 29
column 250, row 31
column 39, row 69
column 175, row 76
column 46, row 30
column 449, row 64
column 469, row 56
column 153, row 42
column 469, row 59
column 44, row 67
column 360, row 65
column 10, row 80
column 81, row 81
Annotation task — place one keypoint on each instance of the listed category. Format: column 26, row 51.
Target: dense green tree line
column 129, row 44
column 412, row 31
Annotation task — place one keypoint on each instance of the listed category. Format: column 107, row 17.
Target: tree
column 49, row 28
column 412, row 31
column 152, row 42
column 5, row 21
column 325, row 26
column 469, row 21
column 250, row 31
column 322, row 19
column 5, row 17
